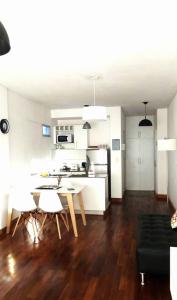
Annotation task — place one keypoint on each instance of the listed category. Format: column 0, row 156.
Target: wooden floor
column 100, row 264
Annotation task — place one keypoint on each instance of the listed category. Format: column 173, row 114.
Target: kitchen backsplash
column 68, row 158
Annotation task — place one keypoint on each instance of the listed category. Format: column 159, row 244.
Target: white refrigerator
column 102, row 163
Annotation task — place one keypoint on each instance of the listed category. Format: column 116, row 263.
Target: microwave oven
column 65, row 138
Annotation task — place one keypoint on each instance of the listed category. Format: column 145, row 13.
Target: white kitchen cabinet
column 132, row 128
column 147, row 164
column 132, row 164
column 80, row 137
column 95, row 193
column 140, row 164
column 139, row 155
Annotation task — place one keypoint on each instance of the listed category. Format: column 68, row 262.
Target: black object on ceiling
column 145, row 122
column 4, row 40
column 86, row 125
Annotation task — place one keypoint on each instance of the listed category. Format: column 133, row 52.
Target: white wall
column 116, row 160
column 100, row 133
column 172, row 155
column 23, row 143
column 161, row 158
column 71, row 157
column 123, row 135
column 26, row 141
column 4, row 159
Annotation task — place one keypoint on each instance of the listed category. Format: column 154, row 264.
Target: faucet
column 59, row 179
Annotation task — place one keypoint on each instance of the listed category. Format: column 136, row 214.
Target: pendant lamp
column 93, row 112
column 86, row 125
column 145, row 122
column 4, row 40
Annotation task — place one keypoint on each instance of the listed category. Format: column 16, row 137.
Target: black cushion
column 154, row 241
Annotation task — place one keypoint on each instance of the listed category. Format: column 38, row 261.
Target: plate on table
column 48, row 187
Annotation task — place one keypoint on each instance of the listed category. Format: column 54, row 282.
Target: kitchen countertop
column 79, row 176
column 86, row 176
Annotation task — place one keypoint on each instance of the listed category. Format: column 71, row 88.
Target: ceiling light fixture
column 86, row 125
column 94, row 112
column 145, row 122
column 4, row 40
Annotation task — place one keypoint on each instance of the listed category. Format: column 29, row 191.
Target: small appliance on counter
column 91, row 171
column 83, row 166
column 65, row 168
column 75, row 167
column 64, row 137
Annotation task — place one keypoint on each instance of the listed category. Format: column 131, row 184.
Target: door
column 132, row 164
column 146, row 164
column 139, row 155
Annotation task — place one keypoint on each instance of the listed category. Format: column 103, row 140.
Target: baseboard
column 161, row 197
column 172, row 208
column 106, row 212
column 116, row 200
column 3, row 230
column 90, row 212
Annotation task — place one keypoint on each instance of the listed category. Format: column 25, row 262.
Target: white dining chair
column 22, row 201
column 50, row 204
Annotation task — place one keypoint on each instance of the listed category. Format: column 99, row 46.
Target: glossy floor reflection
column 100, row 264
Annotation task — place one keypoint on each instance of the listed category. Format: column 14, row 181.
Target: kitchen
column 38, row 76
column 88, row 158
column 79, row 164
column 26, row 151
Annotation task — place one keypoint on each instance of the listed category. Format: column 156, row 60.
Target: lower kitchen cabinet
column 95, row 193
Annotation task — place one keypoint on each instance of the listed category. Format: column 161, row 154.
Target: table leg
column 82, row 208
column 9, row 218
column 72, row 213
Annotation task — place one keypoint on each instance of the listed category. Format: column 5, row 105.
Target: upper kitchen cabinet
column 80, row 137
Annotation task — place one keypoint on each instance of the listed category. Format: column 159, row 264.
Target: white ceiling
column 56, row 45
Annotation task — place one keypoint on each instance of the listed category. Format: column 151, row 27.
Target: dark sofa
column 153, row 246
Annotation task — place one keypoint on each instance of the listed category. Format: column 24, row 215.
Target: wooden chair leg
column 58, row 226
column 66, row 214
column 65, row 221
column 16, row 225
column 43, row 222
column 34, row 231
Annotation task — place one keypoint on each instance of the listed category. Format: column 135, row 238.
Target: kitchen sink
column 61, row 174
